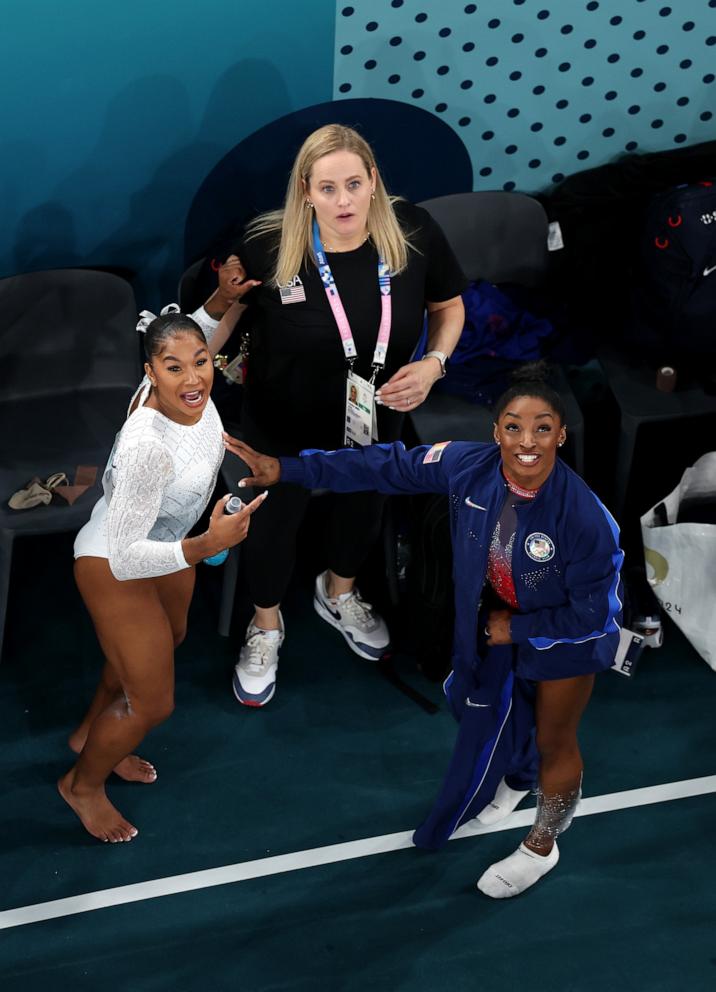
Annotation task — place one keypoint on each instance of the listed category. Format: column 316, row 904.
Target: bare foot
column 131, row 769
column 99, row 817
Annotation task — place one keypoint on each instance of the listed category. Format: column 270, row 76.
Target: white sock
column 517, row 873
column 505, row 802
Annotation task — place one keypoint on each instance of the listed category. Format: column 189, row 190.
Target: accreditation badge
column 360, row 410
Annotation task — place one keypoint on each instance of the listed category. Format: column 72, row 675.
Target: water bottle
column 233, row 505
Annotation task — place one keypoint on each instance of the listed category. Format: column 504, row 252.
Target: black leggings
column 352, row 528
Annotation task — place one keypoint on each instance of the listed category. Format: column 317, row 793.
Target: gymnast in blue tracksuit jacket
column 537, row 608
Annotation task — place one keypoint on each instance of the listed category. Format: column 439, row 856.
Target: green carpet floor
column 338, row 755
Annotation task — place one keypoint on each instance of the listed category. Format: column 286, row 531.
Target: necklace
column 518, row 490
column 334, row 251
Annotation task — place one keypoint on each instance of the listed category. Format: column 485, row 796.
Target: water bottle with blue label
column 233, row 505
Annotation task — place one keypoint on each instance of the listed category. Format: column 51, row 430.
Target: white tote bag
column 681, row 559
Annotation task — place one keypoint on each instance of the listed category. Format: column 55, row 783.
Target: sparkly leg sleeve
column 554, row 815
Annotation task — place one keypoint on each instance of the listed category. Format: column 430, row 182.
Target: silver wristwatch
column 441, row 357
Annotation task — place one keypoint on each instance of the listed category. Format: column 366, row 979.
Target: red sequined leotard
column 499, row 560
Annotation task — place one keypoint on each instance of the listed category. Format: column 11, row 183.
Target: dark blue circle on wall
column 401, row 135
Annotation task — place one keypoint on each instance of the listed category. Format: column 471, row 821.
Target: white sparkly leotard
column 159, row 478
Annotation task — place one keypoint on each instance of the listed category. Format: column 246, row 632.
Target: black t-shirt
column 295, row 390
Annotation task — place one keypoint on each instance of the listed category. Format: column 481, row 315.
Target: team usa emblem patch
column 539, row 547
column 435, row 453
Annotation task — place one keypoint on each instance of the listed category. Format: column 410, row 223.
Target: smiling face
column 181, row 374
column 529, row 432
column 340, row 189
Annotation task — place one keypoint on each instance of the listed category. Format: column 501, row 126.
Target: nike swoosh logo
column 476, row 706
column 707, row 272
column 475, row 506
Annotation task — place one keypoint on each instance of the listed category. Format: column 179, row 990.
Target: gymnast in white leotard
column 134, row 563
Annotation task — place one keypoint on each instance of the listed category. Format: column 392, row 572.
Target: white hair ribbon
column 146, row 316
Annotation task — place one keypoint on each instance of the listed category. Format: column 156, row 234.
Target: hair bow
column 146, row 316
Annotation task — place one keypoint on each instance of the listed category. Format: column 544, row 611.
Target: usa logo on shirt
column 293, row 291
column 539, row 547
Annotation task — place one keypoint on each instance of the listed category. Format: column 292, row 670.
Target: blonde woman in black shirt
column 345, row 275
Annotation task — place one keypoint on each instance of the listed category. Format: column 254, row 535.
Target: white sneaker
column 505, row 802
column 254, row 680
column 365, row 630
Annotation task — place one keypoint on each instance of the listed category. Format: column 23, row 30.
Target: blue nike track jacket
column 565, row 564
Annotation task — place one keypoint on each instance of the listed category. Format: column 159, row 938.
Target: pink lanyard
column 339, row 314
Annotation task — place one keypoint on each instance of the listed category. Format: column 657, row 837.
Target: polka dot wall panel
column 538, row 89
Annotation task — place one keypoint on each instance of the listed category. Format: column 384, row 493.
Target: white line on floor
column 332, row 854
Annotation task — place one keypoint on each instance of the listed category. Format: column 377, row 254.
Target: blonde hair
column 295, row 221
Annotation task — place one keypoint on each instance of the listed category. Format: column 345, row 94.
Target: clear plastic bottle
column 233, row 505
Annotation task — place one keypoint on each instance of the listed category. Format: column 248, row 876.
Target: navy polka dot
column 397, row 40
column 539, row 90
column 592, row 5
column 540, row 53
column 665, row 11
column 657, row 123
column 582, row 155
column 561, row 104
column 468, row 46
column 395, row 78
column 488, row 135
column 688, row 26
column 510, row 150
column 685, row 64
column 711, row 40
column 534, row 163
column 396, row 3
column 421, row 18
column 590, row 43
column 635, row 73
column 662, row 50
column 634, row 109
column 513, row 112
column 514, row 76
column 416, row 94
column 370, row 64
column 610, row 95
column 585, row 118
column 486, row 171
column 466, row 84
column 419, row 56
column 471, row 8
column 346, row 50
column 445, row 32
column 565, row 66
column 709, row 77
column 614, row 57
column 344, row 88
column 508, row 186
column 440, row 107
column 706, row 116
column 638, row 35
column 537, row 126
column 464, row 121
column 566, row 29
column 588, row 80
column 631, row 146
column 371, row 26
column 347, row 11
column 494, row 23
column 615, row 20
column 560, row 140
column 493, row 60
column 558, row 177
column 543, row 15
column 659, row 87
column 489, row 98
column 682, row 101
column 517, row 38
column 608, row 132
column 680, row 139
column 443, row 70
